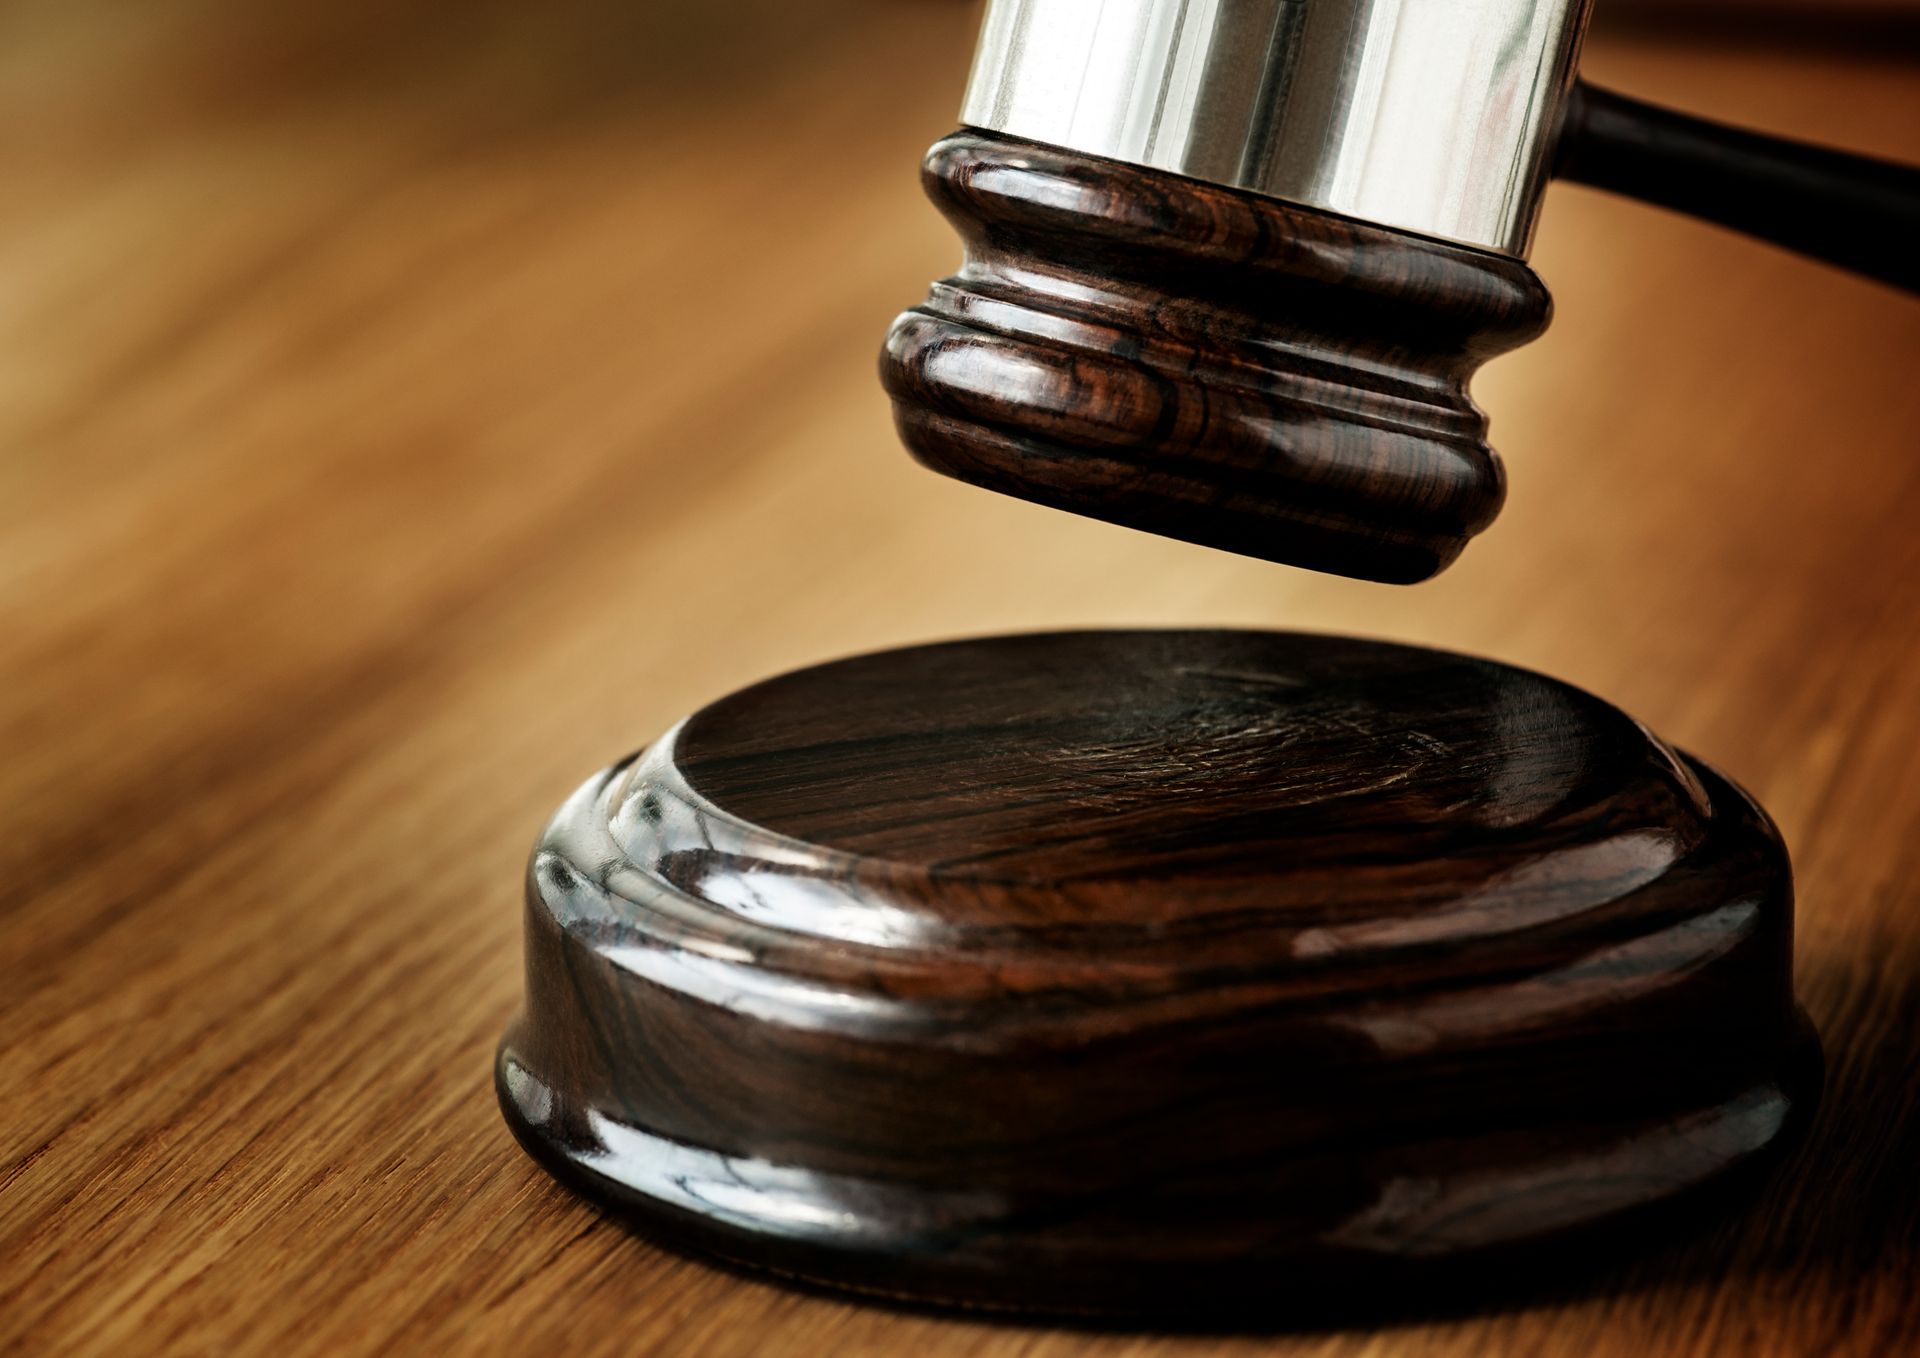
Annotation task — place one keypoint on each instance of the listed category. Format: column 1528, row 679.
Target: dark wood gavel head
column 1229, row 269
column 1207, row 362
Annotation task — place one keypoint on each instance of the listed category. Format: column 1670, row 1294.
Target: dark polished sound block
column 1153, row 973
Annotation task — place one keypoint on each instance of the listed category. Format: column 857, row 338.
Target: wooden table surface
column 405, row 409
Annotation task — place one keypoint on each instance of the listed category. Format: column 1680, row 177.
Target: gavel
column 1230, row 266
column 1181, row 974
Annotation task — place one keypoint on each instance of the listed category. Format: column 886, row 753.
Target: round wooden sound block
column 1155, row 972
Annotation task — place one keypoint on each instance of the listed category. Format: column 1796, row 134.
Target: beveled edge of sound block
column 1094, row 1103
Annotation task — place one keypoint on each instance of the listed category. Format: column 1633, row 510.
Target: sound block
column 1157, row 974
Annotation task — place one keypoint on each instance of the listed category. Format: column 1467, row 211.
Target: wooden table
column 408, row 408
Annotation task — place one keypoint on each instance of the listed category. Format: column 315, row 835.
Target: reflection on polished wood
column 402, row 413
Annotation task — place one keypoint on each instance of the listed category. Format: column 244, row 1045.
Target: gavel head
column 1229, row 268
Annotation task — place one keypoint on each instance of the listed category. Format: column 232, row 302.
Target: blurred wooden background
column 406, row 408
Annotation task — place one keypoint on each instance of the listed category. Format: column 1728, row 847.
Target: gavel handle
column 1855, row 211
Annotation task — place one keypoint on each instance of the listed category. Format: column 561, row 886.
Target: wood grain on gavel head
column 1155, row 972
column 1207, row 363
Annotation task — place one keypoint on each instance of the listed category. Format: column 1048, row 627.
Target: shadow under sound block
column 1157, row 974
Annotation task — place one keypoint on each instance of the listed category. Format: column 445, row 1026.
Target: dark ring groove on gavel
column 1214, row 365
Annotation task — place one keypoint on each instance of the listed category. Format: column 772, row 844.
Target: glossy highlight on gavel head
column 1206, row 362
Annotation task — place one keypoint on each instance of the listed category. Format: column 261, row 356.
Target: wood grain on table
column 405, row 409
